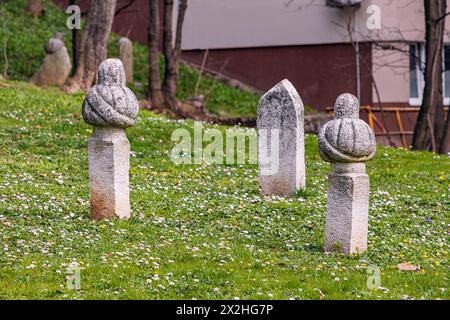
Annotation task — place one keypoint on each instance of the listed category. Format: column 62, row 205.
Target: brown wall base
column 320, row 73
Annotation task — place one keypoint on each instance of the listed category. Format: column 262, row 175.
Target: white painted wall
column 257, row 23
column 217, row 24
column 391, row 73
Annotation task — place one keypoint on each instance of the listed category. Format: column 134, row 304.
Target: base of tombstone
column 109, row 165
column 279, row 186
column 347, row 208
column 283, row 172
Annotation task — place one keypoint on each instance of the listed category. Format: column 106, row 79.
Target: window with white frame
column 416, row 74
column 446, row 80
column 416, row 81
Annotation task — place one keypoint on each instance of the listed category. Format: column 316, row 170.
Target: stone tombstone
column 347, row 142
column 110, row 107
column 126, row 56
column 281, row 145
column 56, row 66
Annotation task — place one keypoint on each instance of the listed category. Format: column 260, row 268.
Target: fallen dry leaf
column 320, row 294
column 6, row 223
column 408, row 267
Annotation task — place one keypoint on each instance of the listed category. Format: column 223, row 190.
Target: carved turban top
column 346, row 138
column 110, row 103
column 54, row 44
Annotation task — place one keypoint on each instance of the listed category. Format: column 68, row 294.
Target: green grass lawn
column 201, row 231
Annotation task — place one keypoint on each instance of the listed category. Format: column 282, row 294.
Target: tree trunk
column 154, row 82
column 74, row 43
column 444, row 148
column 34, row 7
column 442, row 128
column 94, row 45
column 429, row 129
column 172, row 54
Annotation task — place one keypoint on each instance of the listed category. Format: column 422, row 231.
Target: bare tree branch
column 350, row 31
column 124, row 7
column 5, row 41
column 442, row 17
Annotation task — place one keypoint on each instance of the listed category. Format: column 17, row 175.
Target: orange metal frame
column 374, row 121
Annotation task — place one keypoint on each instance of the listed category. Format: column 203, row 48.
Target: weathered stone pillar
column 281, row 145
column 56, row 66
column 110, row 107
column 126, row 56
column 347, row 142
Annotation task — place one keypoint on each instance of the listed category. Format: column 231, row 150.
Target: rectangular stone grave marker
column 281, row 145
column 126, row 56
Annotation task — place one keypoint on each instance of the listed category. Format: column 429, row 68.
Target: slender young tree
column 171, row 51
column 155, row 93
column 94, row 44
column 123, row 7
column 74, row 42
column 443, row 132
column 430, row 126
column 34, row 7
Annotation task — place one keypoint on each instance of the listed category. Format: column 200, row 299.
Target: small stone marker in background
column 56, row 65
column 281, row 145
column 110, row 107
column 126, row 56
column 347, row 142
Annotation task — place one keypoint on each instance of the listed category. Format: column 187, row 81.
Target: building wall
column 225, row 24
column 391, row 73
column 259, row 42
column 219, row 24
column 320, row 73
